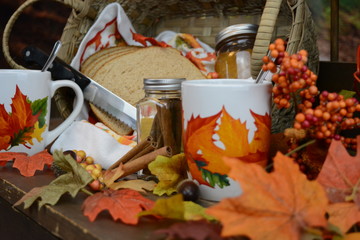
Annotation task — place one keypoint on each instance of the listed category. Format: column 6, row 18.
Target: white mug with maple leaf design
column 224, row 117
column 25, row 100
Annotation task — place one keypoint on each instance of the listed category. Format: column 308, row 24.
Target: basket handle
column 264, row 34
column 77, row 5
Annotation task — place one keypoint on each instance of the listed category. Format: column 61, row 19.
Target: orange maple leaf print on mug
column 209, row 139
column 25, row 121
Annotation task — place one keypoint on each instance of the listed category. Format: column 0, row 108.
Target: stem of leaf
column 353, row 193
column 84, row 190
column 301, row 147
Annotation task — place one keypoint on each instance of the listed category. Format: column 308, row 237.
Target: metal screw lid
column 163, row 84
column 235, row 30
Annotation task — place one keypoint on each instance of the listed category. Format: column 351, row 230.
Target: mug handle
column 54, row 85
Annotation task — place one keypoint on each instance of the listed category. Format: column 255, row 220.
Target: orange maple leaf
column 10, row 156
column 340, row 176
column 200, row 146
column 28, row 165
column 282, row 203
column 124, row 204
column 17, row 128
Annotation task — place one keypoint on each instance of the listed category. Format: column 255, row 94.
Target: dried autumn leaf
column 10, row 156
column 28, row 165
column 198, row 230
column 200, row 145
column 75, row 179
column 283, row 202
column 340, row 176
column 175, row 208
column 110, row 176
column 137, row 185
column 124, row 204
column 170, row 171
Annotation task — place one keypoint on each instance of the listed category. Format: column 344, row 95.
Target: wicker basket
column 288, row 19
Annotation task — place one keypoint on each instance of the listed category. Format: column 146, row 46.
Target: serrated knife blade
column 93, row 92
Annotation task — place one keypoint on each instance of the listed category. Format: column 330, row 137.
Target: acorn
column 189, row 189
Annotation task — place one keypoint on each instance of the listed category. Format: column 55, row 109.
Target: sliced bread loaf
column 124, row 73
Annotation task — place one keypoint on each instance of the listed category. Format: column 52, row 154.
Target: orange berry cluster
column 330, row 117
column 94, row 169
column 293, row 77
column 295, row 81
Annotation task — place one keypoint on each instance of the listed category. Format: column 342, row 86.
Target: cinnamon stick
column 142, row 162
column 166, row 126
column 133, row 152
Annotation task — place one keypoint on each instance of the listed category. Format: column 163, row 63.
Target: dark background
column 40, row 25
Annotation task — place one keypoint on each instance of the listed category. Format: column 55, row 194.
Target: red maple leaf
column 124, row 204
column 28, row 165
column 340, row 176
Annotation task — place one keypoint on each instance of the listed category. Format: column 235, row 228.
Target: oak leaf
column 201, row 146
column 75, row 178
column 197, row 230
column 170, row 171
column 124, row 204
column 28, row 165
column 340, row 176
column 175, row 208
column 284, row 202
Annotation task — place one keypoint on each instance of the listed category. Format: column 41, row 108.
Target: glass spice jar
column 159, row 113
column 233, row 48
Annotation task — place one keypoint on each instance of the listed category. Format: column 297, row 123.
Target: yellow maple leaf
column 37, row 133
column 169, row 171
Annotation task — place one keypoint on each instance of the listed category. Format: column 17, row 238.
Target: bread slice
column 114, row 124
column 97, row 60
column 124, row 74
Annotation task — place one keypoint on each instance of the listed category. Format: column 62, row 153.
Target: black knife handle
column 59, row 69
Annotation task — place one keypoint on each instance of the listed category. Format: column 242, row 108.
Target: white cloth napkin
column 97, row 143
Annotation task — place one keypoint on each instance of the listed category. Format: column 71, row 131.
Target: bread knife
column 93, row 92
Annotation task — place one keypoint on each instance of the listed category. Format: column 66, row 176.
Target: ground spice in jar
column 159, row 113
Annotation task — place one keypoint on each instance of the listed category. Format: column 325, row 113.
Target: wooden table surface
column 64, row 220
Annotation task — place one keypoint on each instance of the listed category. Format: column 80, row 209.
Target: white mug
column 25, row 100
column 224, row 117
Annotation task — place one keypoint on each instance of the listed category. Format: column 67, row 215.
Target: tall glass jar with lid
column 159, row 113
column 233, row 48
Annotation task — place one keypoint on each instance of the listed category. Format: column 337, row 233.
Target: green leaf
column 37, row 106
column 347, row 94
column 72, row 182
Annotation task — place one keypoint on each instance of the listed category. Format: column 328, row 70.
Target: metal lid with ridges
column 236, row 30
column 163, row 83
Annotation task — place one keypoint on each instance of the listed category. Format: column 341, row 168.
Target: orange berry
column 271, row 46
column 313, row 90
column 274, row 53
column 300, row 117
column 266, row 59
column 297, row 125
column 279, row 41
column 326, row 116
column 318, row 113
